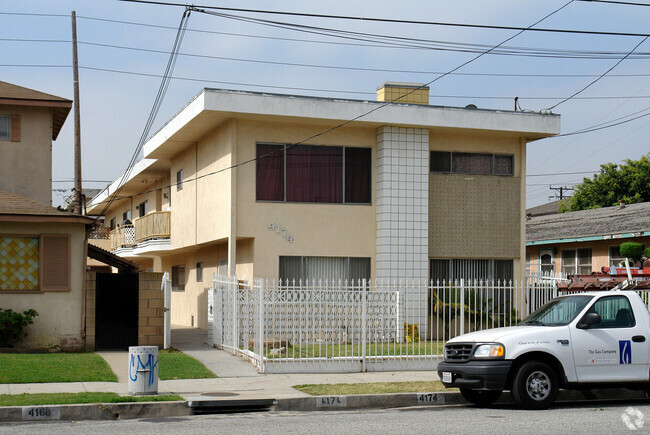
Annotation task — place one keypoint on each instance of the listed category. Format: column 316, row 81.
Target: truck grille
column 458, row 352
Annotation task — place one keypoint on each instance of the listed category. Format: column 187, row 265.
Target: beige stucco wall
column 336, row 230
column 193, row 302
column 26, row 166
column 59, row 313
column 476, row 216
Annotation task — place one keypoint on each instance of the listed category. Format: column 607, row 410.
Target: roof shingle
column 633, row 218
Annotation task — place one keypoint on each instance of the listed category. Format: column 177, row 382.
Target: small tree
column 632, row 250
column 13, row 324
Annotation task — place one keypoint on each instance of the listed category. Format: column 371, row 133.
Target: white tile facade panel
column 402, row 212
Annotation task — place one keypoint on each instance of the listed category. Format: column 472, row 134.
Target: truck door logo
column 625, row 351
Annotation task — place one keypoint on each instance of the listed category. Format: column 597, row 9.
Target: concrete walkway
column 237, row 378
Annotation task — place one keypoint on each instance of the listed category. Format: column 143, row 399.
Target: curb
column 403, row 400
column 123, row 411
column 94, row 411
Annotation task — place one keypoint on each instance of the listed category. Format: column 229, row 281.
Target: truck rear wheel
column 535, row 385
column 480, row 397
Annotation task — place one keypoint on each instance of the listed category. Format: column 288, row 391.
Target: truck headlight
column 489, row 351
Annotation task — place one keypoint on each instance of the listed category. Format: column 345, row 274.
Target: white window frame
column 575, row 267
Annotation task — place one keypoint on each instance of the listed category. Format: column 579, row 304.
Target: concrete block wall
column 150, row 310
column 150, row 313
column 91, row 282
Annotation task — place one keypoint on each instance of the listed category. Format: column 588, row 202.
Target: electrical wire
column 342, row 124
column 164, row 85
column 616, row 2
column 387, row 20
column 600, row 77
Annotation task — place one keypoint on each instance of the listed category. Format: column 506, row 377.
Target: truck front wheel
column 535, row 385
column 480, row 397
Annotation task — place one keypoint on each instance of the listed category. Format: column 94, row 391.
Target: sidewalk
column 238, row 379
column 239, row 385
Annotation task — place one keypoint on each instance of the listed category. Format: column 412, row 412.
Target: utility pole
column 560, row 189
column 78, row 202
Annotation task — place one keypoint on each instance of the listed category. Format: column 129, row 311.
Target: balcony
column 144, row 233
column 123, row 237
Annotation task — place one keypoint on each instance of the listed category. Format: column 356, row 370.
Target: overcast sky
column 119, row 83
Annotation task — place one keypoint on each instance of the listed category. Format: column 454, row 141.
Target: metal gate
column 116, row 311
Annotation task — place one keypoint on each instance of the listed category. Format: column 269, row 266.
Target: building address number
column 279, row 229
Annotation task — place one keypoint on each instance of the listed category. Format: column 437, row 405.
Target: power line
column 471, row 48
column 294, row 88
column 561, row 173
column 601, row 76
column 162, row 90
column 599, row 128
column 388, row 20
column 616, row 2
column 343, row 124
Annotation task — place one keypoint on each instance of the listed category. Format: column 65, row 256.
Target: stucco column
column 232, row 236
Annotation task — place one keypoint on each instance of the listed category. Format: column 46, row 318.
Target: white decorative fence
column 319, row 327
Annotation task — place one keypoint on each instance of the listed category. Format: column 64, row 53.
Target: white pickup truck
column 586, row 340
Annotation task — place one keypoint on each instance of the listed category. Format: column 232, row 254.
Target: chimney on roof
column 410, row 93
column 621, row 203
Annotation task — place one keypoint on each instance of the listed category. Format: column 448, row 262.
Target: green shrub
column 632, row 250
column 646, row 253
column 13, row 324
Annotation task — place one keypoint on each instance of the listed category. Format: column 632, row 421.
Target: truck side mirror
column 588, row 320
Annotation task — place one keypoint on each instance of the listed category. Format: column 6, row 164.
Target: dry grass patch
column 372, row 388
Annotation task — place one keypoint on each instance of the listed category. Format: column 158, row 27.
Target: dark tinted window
column 440, row 161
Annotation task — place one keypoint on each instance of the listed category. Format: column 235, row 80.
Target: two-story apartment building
column 288, row 187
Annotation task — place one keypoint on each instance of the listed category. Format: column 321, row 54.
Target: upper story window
column 113, row 223
column 576, row 261
column 126, row 216
column 179, row 180
column 5, row 127
column 308, row 173
column 10, row 127
column 472, row 163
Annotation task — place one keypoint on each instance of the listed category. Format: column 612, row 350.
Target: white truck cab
column 585, row 340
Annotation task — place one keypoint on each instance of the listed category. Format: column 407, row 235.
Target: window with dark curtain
column 472, row 163
column 314, row 174
column 357, row 175
column 503, row 165
column 270, row 172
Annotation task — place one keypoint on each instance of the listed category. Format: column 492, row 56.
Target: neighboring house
column 582, row 242
column 283, row 186
column 42, row 266
column 29, row 121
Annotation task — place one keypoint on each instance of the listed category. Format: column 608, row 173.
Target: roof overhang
column 60, row 110
column 129, row 183
column 213, row 106
column 102, row 255
column 46, row 218
column 588, row 238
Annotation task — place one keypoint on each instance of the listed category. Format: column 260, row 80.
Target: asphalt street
column 575, row 419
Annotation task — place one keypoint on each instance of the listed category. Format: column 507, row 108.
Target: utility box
column 143, row 370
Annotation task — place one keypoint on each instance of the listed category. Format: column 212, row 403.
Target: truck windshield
column 558, row 312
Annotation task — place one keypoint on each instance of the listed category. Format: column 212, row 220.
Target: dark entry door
column 116, row 311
